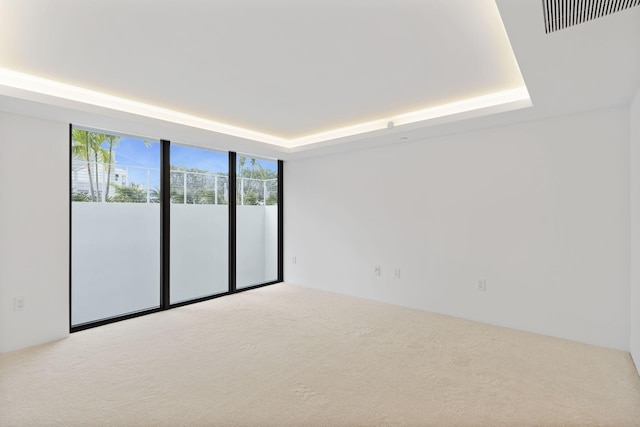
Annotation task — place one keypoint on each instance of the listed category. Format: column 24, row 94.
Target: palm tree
column 113, row 142
column 100, row 155
column 88, row 146
column 253, row 189
column 83, row 149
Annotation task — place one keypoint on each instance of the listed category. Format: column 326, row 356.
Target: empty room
column 357, row 212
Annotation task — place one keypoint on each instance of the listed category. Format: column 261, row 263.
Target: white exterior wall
column 539, row 210
column 34, row 230
column 635, row 232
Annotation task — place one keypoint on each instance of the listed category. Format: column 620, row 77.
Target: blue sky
column 139, row 156
column 213, row 161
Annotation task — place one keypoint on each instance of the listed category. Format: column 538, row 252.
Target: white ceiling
column 291, row 69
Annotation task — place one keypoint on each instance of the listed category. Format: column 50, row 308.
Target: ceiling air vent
column 560, row 14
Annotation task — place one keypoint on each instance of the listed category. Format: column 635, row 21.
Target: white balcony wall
column 199, row 251
column 257, row 245
column 270, row 243
column 115, row 262
column 116, row 254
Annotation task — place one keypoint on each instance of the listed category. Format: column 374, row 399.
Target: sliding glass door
column 115, row 267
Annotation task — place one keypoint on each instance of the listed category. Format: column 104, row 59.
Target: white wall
column 34, row 233
column 539, row 210
column 199, row 251
column 635, row 231
column 34, row 230
column 115, row 259
column 270, row 243
column 256, row 252
column 249, row 245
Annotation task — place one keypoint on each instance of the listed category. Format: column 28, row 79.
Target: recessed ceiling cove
column 283, row 72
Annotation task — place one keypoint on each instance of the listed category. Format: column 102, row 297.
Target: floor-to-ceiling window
column 156, row 224
column 257, row 220
column 199, row 223
column 115, row 267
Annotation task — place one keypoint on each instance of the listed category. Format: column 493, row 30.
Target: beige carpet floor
column 286, row 355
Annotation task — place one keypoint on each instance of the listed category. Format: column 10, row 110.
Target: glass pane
column 199, row 223
column 257, row 221
column 115, row 225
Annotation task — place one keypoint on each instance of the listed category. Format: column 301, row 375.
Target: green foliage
column 272, row 199
column 154, row 195
column 79, row 197
column 132, row 193
column 250, row 198
column 200, row 186
column 94, row 147
column 253, row 183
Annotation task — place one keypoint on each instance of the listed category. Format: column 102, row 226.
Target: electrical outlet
column 18, row 303
column 377, row 271
column 396, row 273
column 482, row 285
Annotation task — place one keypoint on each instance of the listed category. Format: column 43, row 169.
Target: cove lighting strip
column 30, row 83
column 519, row 95
column 43, row 86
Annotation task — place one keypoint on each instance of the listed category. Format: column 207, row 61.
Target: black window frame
column 165, row 229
